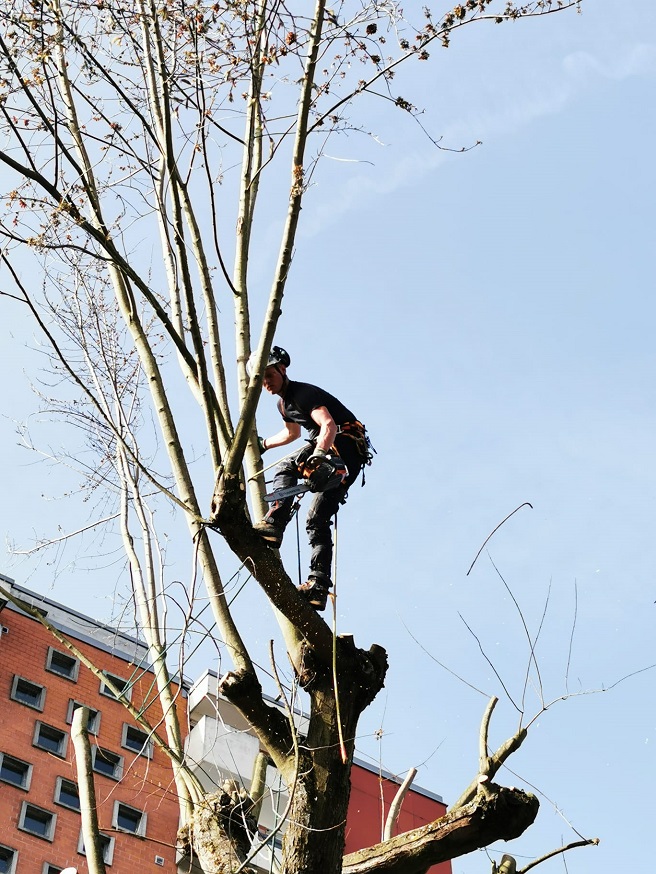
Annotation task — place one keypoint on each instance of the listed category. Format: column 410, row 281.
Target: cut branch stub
column 219, row 834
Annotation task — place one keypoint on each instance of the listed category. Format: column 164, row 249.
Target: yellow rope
column 342, row 745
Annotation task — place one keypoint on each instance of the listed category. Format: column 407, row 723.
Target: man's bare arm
column 328, row 428
column 291, row 432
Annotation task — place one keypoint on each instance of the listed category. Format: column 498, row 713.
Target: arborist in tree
column 337, row 451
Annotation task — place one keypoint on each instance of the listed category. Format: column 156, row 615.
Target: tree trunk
column 314, row 840
column 87, row 791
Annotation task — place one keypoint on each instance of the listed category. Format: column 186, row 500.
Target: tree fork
column 220, row 832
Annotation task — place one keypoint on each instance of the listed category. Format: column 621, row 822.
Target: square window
column 49, row 868
column 15, row 771
column 93, row 725
column 66, row 793
column 62, row 663
column 123, row 686
column 51, row 739
column 28, row 693
column 136, row 740
column 8, row 859
column 106, row 844
column 128, row 819
column 107, row 763
column 37, row 821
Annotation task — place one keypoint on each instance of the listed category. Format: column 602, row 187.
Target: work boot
column 270, row 531
column 315, row 591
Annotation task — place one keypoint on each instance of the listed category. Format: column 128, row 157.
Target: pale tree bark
column 87, row 791
column 249, row 187
column 397, row 803
column 87, row 188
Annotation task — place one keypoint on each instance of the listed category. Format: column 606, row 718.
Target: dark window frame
column 14, row 691
column 107, row 755
column 107, row 849
column 75, row 667
column 122, row 682
column 140, row 829
column 14, row 857
column 146, row 749
column 94, row 715
column 28, row 774
column 61, row 752
column 51, row 868
column 58, row 790
column 52, row 824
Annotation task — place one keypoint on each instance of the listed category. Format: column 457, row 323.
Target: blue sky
column 490, row 316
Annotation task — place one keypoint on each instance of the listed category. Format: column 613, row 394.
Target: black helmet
column 277, row 356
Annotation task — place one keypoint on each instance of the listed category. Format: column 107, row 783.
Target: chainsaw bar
column 288, row 492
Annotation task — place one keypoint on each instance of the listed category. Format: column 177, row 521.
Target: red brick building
column 41, row 684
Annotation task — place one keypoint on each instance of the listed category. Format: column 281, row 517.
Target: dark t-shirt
column 301, row 398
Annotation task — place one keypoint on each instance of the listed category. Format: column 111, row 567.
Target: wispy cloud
column 639, row 60
column 524, row 103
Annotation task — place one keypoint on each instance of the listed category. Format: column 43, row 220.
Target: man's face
column 273, row 379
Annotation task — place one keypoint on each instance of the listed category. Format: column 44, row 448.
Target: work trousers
column 324, row 505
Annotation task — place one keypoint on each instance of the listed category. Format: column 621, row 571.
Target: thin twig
column 571, row 636
column 71, row 534
column 525, row 504
column 584, row 843
column 531, row 643
column 442, row 665
column 490, row 662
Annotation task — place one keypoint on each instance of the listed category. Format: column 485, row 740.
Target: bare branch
column 584, row 843
column 395, row 806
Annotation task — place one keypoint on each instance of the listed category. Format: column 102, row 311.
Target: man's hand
column 321, row 470
column 324, row 472
column 261, row 446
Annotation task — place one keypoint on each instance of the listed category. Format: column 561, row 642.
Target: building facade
column 41, row 685
column 221, row 746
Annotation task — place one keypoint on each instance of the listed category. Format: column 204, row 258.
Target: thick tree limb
column 87, row 791
column 503, row 816
column 267, row 568
column 243, row 689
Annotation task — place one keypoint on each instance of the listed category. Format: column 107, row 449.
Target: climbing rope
column 342, row 745
column 298, row 550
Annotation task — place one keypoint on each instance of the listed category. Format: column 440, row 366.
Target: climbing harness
column 365, row 449
column 357, row 431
